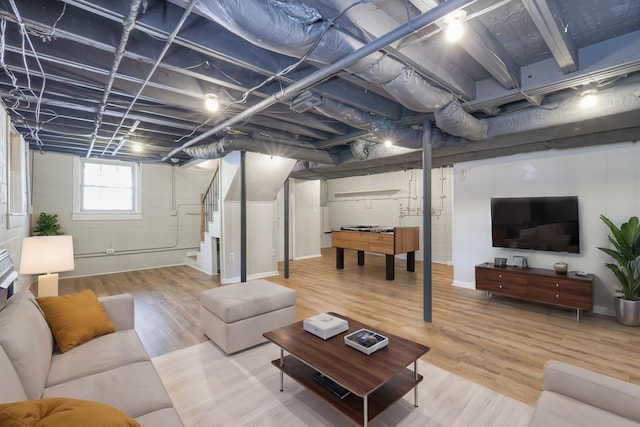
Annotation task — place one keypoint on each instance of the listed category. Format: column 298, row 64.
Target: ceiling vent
column 304, row 102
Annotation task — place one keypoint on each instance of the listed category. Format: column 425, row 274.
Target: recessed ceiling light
column 388, row 143
column 137, row 147
column 211, row 102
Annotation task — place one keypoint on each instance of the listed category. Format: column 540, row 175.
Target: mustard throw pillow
column 63, row 412
column 75, row 318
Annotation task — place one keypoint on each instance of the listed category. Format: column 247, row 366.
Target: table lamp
column 47, row 256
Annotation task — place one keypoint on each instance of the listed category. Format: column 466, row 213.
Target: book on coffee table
column 366, row 341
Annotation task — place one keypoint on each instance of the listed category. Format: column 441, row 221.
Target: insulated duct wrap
column 228, row 144
column 461, row 124
column 293, row 29
column 349, row 115
column 360, row 149
column 209, row 151
column 287, row 28
column 377, row 125
column 417, row 94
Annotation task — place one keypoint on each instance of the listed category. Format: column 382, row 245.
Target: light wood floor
column 501, row 344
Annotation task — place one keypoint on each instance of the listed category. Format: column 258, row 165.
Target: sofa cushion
column 557, row 410
column 75, row 318
column 11, row 389
column 135, row 388
column 596, row 389
column 100, row 354
column 27, row 341
column 58, row 412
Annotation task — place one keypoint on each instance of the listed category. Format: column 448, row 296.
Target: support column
column 286, row 228
column 426, row 220
column 243, row 218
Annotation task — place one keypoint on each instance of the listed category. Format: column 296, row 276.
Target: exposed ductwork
column 228, row 144
column 378, row 126
column 297, row 30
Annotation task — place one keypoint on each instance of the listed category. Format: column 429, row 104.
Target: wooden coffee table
column 375, row 381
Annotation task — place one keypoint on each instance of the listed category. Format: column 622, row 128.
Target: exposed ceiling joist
column 554, row 30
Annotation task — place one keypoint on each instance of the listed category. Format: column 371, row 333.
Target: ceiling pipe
column 170, row 40
column 419, row 22
column 127, row 26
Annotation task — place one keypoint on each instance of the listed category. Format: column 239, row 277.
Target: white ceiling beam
column 547, row 17
column 483, row 47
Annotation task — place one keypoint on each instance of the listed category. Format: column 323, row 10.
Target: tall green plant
column 47, row 225
column 626, row 241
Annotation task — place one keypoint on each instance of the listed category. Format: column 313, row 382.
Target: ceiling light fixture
column 211, row 102
column 137, row 147
column 588, row 98
column 388, row 143
column 455, row 29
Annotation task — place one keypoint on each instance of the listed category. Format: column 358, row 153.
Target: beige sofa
column 574, row 396
column 113, row 369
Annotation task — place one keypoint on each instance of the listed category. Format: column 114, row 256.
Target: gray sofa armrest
column 595, row 389
column 120, row 310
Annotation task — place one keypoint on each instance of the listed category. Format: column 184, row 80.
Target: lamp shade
column 46, row 254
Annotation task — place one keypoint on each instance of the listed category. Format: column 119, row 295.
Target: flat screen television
column 536, row 223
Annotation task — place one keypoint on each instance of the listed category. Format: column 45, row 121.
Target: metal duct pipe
column 400, row 32
column 228, row 144
column 454, row 117
column 295, row 29
column 416, row 94
column 377, row 125
column 127, row 26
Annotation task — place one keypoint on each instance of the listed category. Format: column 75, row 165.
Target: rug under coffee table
column 376, row 381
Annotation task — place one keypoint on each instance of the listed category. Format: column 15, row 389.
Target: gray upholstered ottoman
column 235, row 316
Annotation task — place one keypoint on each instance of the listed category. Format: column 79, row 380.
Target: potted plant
column 626, row 241
column 47, row 225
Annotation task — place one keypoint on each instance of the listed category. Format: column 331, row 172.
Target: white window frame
column 81, row 215
column 17, row 180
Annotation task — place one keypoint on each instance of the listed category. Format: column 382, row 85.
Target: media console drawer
column 536, row 284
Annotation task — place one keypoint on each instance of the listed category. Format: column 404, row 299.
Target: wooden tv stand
column 537, row 284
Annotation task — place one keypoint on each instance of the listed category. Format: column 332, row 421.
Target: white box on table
column 325, row 325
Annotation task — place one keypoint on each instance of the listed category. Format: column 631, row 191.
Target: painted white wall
column 13, row 229
column 265, row 176
column 261, row 241
column 169, row 229
column 395, row 199
column 606, row 180
column 307, row 219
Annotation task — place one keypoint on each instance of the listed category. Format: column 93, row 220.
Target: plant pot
column 627, row 312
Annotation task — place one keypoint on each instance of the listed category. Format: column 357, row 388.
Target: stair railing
column 209, row 201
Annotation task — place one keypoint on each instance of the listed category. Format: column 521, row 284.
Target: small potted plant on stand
column 626, row 241
column 47, row 225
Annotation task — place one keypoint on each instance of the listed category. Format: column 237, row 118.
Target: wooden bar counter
column 401, row 240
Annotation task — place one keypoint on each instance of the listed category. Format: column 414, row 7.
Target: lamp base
column 48, row 285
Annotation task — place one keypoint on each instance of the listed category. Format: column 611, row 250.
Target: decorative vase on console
column 561, row 267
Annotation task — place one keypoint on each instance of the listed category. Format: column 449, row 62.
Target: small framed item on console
column 366, row 341
column 500, row 262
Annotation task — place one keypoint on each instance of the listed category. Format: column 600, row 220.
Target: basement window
column 106, row 190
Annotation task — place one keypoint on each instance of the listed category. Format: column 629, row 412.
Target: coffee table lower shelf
column 352, row 405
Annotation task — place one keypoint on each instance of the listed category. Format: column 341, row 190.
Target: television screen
column 537, row 223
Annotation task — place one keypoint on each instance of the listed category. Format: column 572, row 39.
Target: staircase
column 207, row 259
